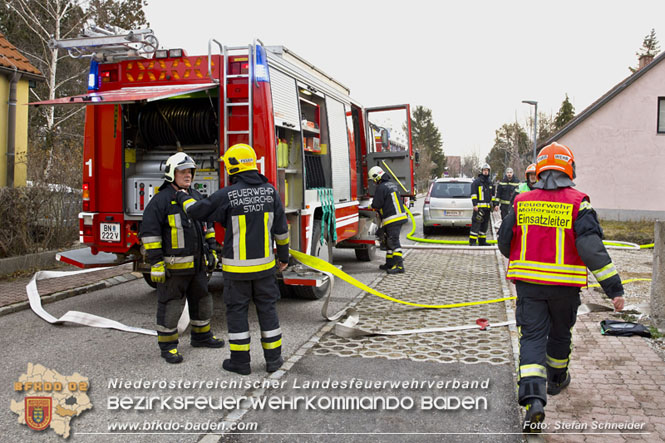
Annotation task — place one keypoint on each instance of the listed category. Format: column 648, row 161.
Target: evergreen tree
column 650, row 45
column 427, row 136
column 566, row 113
column 650, row 48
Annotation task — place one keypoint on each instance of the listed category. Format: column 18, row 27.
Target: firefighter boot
column 557, row 382
column 534, row 416
column 202, row 338
column 472, row 240
column 388, row 264
column 482, row 240
column 238, row 363
column 398, row 266
column 273, row 365
column 271, row 341
column 168, row 345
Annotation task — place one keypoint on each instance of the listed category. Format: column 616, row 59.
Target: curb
column 67, row 293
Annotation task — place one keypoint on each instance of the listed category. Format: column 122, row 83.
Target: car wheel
column 146, row 277
column 366, row 254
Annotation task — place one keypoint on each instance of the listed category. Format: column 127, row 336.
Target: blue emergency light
column 93, row 76
column 261, row 65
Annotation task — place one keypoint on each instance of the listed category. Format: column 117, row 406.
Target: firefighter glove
column 158, row 273
column 211, row 260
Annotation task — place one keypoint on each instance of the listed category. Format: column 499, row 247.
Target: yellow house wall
column 21, row 144
column 4, row 98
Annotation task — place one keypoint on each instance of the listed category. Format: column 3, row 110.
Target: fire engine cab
column 313, row 141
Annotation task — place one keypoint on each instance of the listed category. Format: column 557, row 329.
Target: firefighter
column 253, row 215
column 482, row 191
column 551, row 236
column 393, row 215
column 530, row 180
column 180, row 251
column 505, row 191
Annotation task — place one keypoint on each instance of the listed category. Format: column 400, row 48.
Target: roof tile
column 10, row 57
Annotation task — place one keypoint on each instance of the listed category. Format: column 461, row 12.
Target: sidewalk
column 13, row 296
column 615, row 381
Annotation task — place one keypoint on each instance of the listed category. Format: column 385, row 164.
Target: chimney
column 645, row 59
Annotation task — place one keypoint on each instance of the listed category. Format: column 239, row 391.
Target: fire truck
column 313, row 142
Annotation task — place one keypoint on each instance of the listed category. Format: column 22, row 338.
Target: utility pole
column 657, row 301
column 535, row 126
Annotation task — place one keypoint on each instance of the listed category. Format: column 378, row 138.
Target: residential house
column 619, row 146
column 16, row 74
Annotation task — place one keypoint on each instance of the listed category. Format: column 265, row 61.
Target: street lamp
column 535, row 125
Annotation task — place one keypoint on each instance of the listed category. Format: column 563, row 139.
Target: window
column 451, row 190
column 661, row 115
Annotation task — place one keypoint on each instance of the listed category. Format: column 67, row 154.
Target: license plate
column 109, row 232
column 452, row 213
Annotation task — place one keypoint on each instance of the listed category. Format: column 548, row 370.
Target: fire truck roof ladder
column 109, row 44
column 227, row 105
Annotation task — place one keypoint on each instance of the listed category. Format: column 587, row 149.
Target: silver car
column 448, row 204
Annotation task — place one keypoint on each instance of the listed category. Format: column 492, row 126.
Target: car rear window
column 451, row 190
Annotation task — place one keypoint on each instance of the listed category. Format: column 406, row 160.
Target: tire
column 366, row 254
column 146, row 277
column 322, row 251
column 428, row 230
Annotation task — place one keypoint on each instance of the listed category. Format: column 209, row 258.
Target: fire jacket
column 388, row 202
column 506, row 190
column 552, row 236
column 252, row 213
column 482, row 191
column 169, row 235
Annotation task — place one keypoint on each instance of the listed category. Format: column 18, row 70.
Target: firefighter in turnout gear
column 253, row 215
column 551, row 236
column 482, row 192
column 505, row 191
column 393, row 215
column 530, row 180
column 179, row 250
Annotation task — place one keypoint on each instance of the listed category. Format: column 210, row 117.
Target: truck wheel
column 146, row 277
column 366, row 254
column 322, row 251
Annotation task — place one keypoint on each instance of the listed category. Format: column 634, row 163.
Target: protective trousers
column 505, row 209
column 545, row 318
column 171, row 298
column 479, row 223
column 394, row 252
column 237, row 295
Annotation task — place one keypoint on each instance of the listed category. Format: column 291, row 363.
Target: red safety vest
column 543, row 248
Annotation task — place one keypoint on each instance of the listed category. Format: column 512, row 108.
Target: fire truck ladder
column 226, row 104
column 109, row 44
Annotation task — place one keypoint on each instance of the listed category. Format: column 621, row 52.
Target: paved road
column 106, row 356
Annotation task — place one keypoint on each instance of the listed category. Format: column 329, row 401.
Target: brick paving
column 615, row 380
column 13, row 291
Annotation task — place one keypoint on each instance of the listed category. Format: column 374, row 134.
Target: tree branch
column 68, row 116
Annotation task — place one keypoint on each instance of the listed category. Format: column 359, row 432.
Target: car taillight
column 427, row 200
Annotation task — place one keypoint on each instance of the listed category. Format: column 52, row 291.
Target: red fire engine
column 313, row 142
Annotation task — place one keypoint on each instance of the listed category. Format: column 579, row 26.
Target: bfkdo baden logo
column 51, row 400
column 38, row 412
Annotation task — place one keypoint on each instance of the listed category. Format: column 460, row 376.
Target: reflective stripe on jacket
column 169, row 235
column 482, row 192
column 253, row 216
column 543, row 246
column 389, row 203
